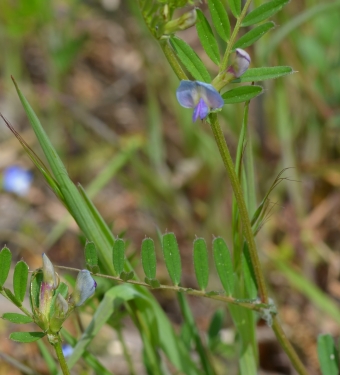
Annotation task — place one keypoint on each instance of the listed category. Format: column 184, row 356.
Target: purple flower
column 240, row 64
column 17, row 180
column 201, row 96
column 85, row 287
column 67, row 350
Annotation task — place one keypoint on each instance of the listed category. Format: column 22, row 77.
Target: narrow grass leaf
column 26, row 337
column 241, row 94
column 190, row 60
column 223, row 264
column 118, row 255
column 328, row 355
column 20, row 280
column 220, row 18
column 89, row 358
column 17, row 318
column 264, row 73
column 253, row 35
column 201, row 263
column 235, row 7
column 148, row 255
column 172, row 257
column 207, row 38
column 263, row 12
column 5, row 264
column 113, row 298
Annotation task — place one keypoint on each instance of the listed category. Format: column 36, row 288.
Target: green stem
column 61, row 358
column 248, row 232
column 172, row 59
column 288, row 348
column 225, row 59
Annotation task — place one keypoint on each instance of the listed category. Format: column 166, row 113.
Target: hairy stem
column 248, row 232
column 172, row 59
column 61, row 358
column 288, row 348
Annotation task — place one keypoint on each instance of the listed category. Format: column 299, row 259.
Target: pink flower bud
column 240, row 64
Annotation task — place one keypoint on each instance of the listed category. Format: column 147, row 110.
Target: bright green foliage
column 26, row 337
column 91, row 257
column 253, row 35
column 20, row 280
column 263, row 12
column 215, row 326
column 5, row 264
column 34, row 292
column 118, row 255
column 220, row 18
column 17, row 318
column 207, row 37
column 328, row 355
column 223, row 264
column 190, row 60
column 264, row 73
column 241, row 94
column 235, row 7
column 172, row 257
column 148, row 255
column 201, row 263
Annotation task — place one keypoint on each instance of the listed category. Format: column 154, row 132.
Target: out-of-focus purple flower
column 67, row 350
column 17, row 180
column 85, row 287
column 240, row 64
column 201, row 96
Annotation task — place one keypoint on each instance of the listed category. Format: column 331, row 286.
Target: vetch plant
column 50, row 300
column 239, row 269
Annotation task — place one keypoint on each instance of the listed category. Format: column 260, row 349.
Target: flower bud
column 47, row 287
column 182, row 23
column 49, row 275
column 85, row 287
column 240, row 64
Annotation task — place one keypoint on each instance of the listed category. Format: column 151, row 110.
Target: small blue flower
column 17, row 180
column 85, row 287
column 201, row 96
column 67, row 350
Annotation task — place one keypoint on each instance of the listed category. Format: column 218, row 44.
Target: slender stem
column 287, row 347
column 248, row 232
column 61, row 358
column 246, row 303
column 172, row 59
column 224, row 62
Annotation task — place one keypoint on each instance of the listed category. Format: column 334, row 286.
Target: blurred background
column 106, row 97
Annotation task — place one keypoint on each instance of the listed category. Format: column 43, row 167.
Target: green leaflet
column 263, row 12
column 220, row 18
column 207, row 38
column 5, row 264
column 190, row 60
column 20, row 280
column 223, row 264
column 241, row 94
column 328, row 355
column 253, row 35
column 91, row 257
column 26, row 336
column 172, row 257
column 118, row 255
column 201, row 263
column 264, row 73
column 235, row 7
column 17, row 318
column 148, row 255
